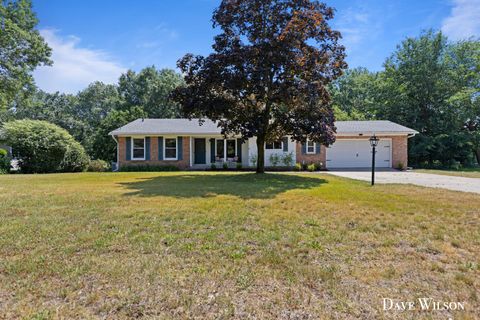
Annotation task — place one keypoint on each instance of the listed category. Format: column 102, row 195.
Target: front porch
column 218, row 151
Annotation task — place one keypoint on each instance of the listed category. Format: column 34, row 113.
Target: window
column 138, row 149
column 220, row 150
column 225, row 148
column 277, row 145
column 170, row 149
column 231, row 149
column 311, row 147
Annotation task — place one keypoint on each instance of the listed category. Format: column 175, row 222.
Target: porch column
column 225, row 150
column 191, row 150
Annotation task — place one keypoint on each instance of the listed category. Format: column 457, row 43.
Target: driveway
column 408, row 177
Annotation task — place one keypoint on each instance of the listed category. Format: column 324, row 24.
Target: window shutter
column 128, row 152
column 239, row 150
column 304, row 148
column 160, row 148
column 212, row 150
column 285, row 144
column 147, row 148
column 317, row 148
column 180, row 148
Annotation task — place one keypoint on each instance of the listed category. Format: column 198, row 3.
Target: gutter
column 116, row 141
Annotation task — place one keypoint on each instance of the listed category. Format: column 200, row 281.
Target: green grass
column 231, row 245
column 466, row 172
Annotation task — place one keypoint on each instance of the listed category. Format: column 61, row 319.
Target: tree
column 93, row 105
column 268, row 74
column 354, row 95
column 150, row 89
column 43, row 147
column 22, row 49
column 104, row 146
column 432, row 85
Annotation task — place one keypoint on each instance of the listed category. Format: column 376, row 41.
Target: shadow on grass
column 247, row 185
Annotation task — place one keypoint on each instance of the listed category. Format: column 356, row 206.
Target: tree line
column 429, row 84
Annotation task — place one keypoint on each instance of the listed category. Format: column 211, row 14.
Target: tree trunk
column 260, row 155
column 477, row 153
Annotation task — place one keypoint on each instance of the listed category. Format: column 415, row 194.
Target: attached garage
column 357, row 153
column 352, row 148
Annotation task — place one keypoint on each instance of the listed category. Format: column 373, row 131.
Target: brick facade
column 318, row 158
column 399, row 153
column 182, row 164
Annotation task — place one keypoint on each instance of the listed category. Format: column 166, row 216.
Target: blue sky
column 98, row 40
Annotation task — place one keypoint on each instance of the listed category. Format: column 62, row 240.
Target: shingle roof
column 370, row 127
column 185, row 126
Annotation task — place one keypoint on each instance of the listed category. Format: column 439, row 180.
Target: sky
column 98, row 40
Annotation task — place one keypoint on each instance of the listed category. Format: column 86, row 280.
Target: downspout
column 116, row 141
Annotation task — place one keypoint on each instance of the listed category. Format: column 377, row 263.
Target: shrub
column 4, row 161
column 311, row 167
column 213, row 166
column 400, row 166
column 239, row 166
column 253, row 160
column 147, row 168
column 274, row 159
column 225, row 165
column 98, row 166
column 287, row 159
column 75, row 158
column 298, row 166
column 318, row 166
column 44, row 147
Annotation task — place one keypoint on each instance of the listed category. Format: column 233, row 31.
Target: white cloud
column 74, row 67
column 464, row 20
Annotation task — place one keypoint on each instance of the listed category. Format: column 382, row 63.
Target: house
column 189, row 144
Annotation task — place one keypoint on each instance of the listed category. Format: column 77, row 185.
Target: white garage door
column 358, row 154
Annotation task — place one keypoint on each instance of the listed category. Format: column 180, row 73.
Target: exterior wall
column 399, row 148
column 399, row 151
column 182, row 164
column 311, row 158
column 252, row 151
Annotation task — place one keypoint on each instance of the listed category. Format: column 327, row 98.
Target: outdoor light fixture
column 374, row 143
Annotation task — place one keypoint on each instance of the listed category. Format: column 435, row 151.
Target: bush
column 318, row 166
column 298, row 166
column 225, row 165
column 213, row 166
column 312, row 167
column 147, row 168
column 287, row 159
column 98, row 166
column 4, row 161
column 253, row 160
column 400, row 166
column 239, row 166
column 274, row 159
column 75, row 159
column 44, row 147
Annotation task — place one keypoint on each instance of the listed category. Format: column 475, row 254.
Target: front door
column 200, row 151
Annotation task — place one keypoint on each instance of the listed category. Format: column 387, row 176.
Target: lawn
column 232, row 245
column 466, row 172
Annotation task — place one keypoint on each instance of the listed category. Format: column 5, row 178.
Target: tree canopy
column 22, row 49
column 429, row 84
column 268, row 74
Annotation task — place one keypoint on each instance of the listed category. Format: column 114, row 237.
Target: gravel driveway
column 408, row 177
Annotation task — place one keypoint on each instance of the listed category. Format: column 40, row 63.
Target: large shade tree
column 22, row 49
column 268, row 73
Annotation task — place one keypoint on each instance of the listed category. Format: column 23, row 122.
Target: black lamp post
column 373, row 142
